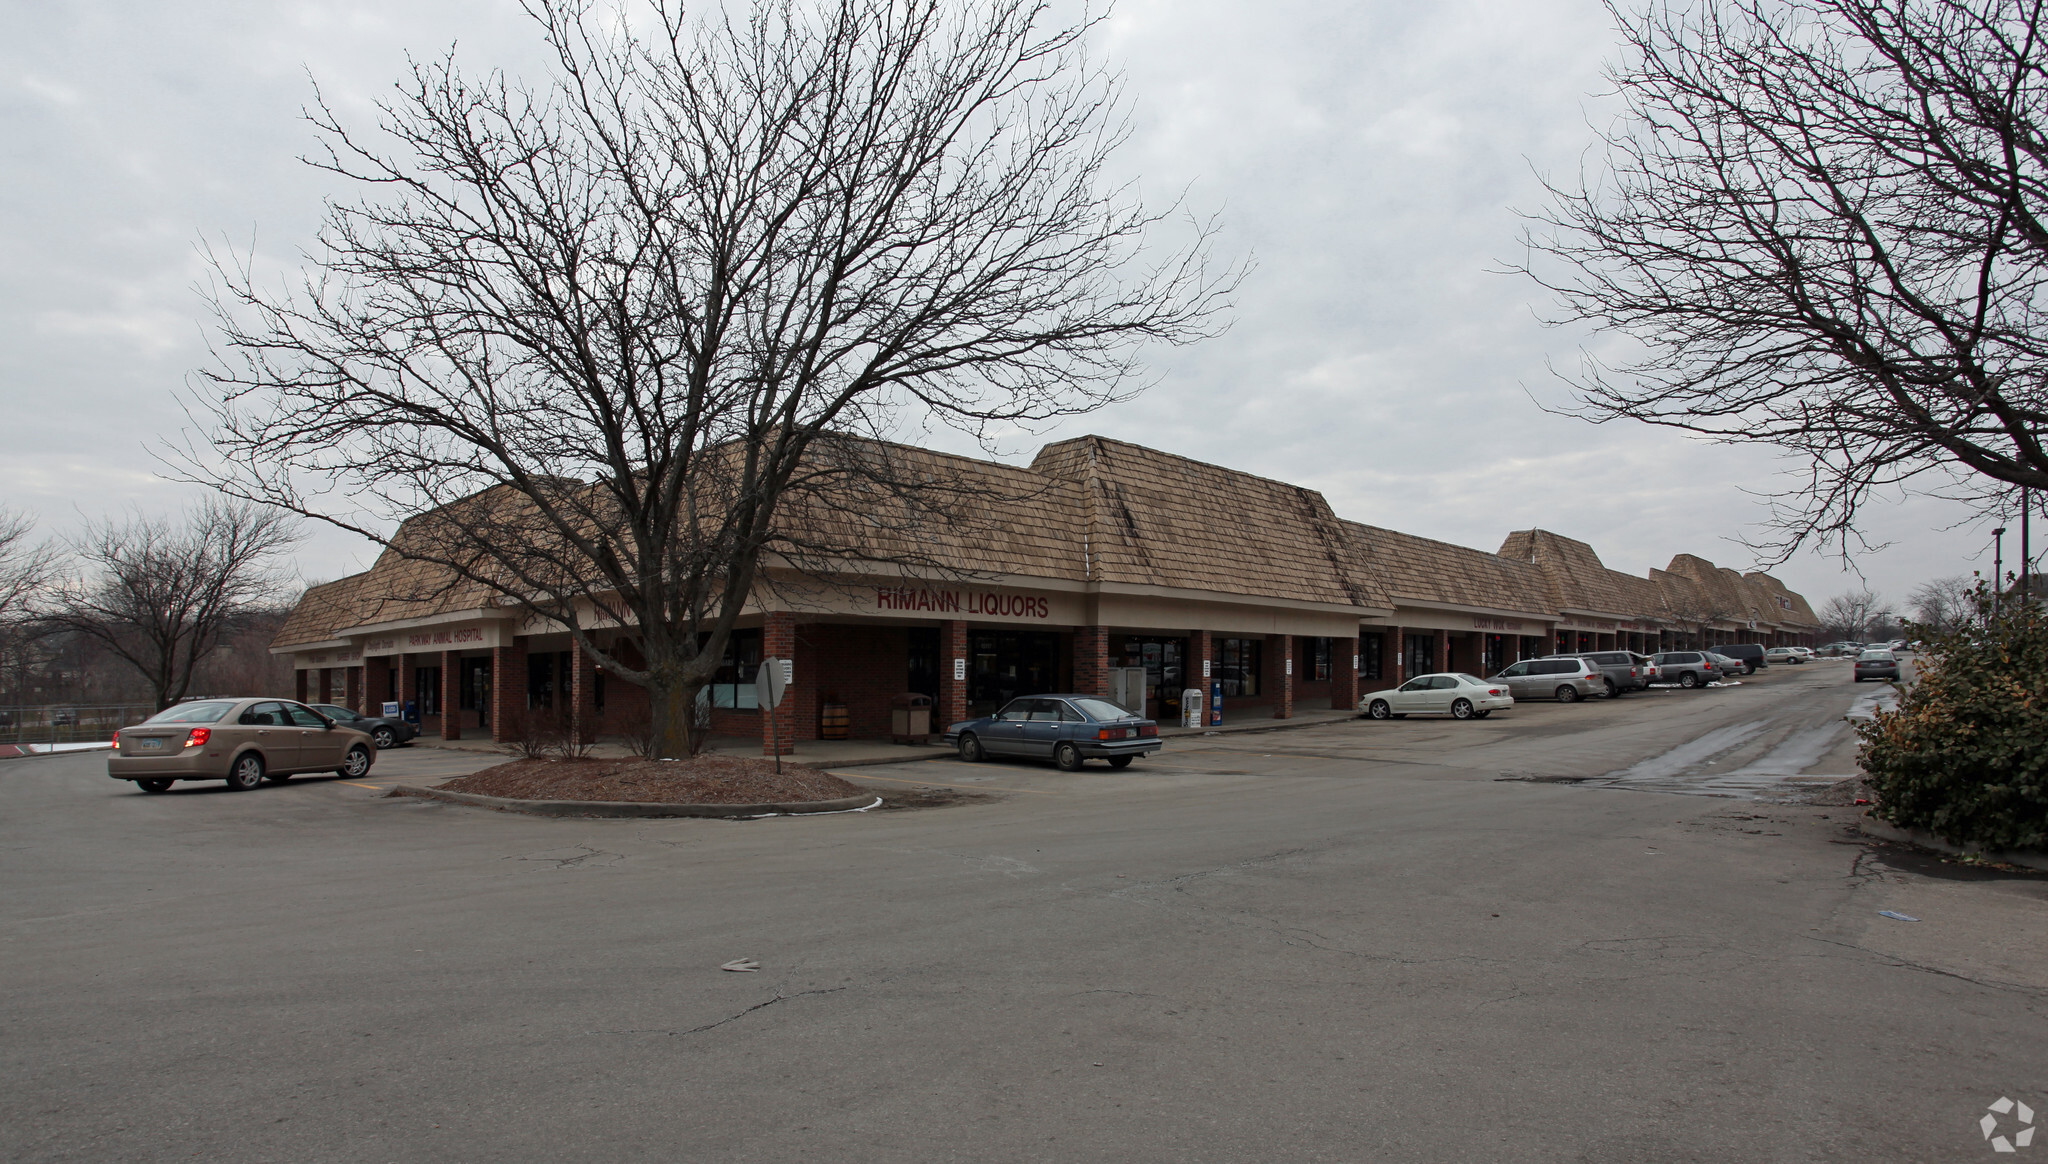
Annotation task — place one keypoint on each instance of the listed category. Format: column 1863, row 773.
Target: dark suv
column 1750, row 655
column 1619, row 668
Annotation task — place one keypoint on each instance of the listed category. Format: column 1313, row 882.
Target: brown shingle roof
column 1156, row 519
column 1422, row 569
column 1578, row 580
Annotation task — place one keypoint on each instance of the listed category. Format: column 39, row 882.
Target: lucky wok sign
column 986, row 603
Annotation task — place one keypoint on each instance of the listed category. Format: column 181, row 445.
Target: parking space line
column 943, row 784
column 353, row 784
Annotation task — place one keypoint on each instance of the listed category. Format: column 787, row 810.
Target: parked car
column 1066, row 729
column 1689, row 668
column 241, row 741
column 386, row 731
column 1791, row 655
column 1730, row 667
column 1451, row 693
column 1620, row 669
column 1752, row 656
column 1878, row 663
column 1566, row 680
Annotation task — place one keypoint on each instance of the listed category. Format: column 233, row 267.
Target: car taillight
column 1631, row 672
column 116, row 745
column 1495, row 691
column 1149, row 729
column 198, row 737
column 1112, row 733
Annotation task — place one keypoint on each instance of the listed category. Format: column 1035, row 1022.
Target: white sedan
column 1792, row 655
column 1457, row 695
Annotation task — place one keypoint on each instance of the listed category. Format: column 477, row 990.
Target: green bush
column 1966, row 754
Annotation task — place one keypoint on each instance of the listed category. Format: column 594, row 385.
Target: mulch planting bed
column 700, row 780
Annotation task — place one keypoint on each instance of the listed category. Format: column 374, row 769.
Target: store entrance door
column 1165, row 674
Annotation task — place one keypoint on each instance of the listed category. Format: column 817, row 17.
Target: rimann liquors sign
column 969, row 603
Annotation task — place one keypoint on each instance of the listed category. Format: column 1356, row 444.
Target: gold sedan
column 241, row 741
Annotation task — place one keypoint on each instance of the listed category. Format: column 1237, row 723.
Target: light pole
column 1997, row 569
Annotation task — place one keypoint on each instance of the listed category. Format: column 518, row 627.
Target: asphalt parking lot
column 1578, row 933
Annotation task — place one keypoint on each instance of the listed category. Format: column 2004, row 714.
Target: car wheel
column 1067, row 756
column 384, row 738
column 1567, row 695
column 1613, row 692
column 970, row 749
column 1378, row 709
column 247, row 772
column 1461, row 709
column 1119, row 761
column 155, row 784
column 1688, row 680
column 356, row 764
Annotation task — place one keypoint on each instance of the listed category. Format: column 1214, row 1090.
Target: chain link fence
column 69, row 723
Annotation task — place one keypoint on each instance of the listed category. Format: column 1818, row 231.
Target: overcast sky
column 1368, row 155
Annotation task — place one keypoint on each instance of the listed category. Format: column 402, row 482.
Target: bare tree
column 26, row 569
column 1855, row 615
column 1944, row 604
column 159, row 594
column 1825, row 223
column 607, row 333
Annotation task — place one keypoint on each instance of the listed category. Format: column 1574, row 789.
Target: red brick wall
column 1278, row 681
column 508, row 689
column 866, row 667
column 1343, row 674
column 952, row 692
column 778, row 725
column 1091, row 661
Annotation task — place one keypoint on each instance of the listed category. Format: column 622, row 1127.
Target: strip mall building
column 1124, row 556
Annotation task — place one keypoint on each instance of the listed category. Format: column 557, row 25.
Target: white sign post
column 771, row 680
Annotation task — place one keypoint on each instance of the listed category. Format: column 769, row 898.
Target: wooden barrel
column 833, row 721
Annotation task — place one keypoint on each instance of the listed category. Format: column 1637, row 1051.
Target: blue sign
column 1215, row 702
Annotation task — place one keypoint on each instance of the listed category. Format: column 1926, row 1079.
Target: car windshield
column 1875, row 655
column 209, row 712
column 1100, row 709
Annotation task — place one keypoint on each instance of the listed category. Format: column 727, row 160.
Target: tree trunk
column 673, row 711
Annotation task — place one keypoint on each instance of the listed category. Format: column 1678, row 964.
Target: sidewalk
column 856, row 753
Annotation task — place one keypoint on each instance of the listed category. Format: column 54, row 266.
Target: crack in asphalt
column 779, row 997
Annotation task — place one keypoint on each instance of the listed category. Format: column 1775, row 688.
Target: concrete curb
column 633, row 808
column 1870, row 826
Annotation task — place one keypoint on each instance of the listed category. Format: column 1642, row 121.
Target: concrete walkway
column 855, row 753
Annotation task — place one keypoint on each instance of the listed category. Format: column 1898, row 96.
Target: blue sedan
column 1066, row 729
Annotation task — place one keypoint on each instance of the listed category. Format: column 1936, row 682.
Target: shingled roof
column 1156, row 519
column 1578, row 580
column 1419, row 569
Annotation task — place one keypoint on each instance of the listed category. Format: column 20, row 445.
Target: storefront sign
column 970, row 602
column 327, row 659
column 461, row 636
column 383, row 646
column 1496, row 624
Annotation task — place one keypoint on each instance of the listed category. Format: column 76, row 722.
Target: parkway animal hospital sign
column 970, row 602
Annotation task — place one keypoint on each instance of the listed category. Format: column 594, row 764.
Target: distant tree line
column 141, row 609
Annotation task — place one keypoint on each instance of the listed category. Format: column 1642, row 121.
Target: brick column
column 408, row 679
column 356, row 693
column 508, row 688
column 1443, row 651
column 1280, row 667
column 1394, row 660
column 1201, row 665
column 582, row 696
column 299, row 686
column 1344, row 674
column 451, row 715
column 778, row 725
column 1091, row 661
column 953, row 664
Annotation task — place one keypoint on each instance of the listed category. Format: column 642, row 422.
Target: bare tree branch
column 1825, row 222
column 594, row 341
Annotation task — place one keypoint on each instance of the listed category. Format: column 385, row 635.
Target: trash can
column 910, row 718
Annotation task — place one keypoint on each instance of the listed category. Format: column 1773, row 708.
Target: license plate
column 152, row 745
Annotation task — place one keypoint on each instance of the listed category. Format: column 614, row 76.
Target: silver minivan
column 1565, row 680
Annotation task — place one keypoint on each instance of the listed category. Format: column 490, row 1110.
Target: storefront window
column 1239, row 665
column 1161, row 658
column 1006, row 664
column 1420, row 651
column 426, row 682
column 924, row 661
column 1315, row 662
column 733, row 686
column 1369, row 648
